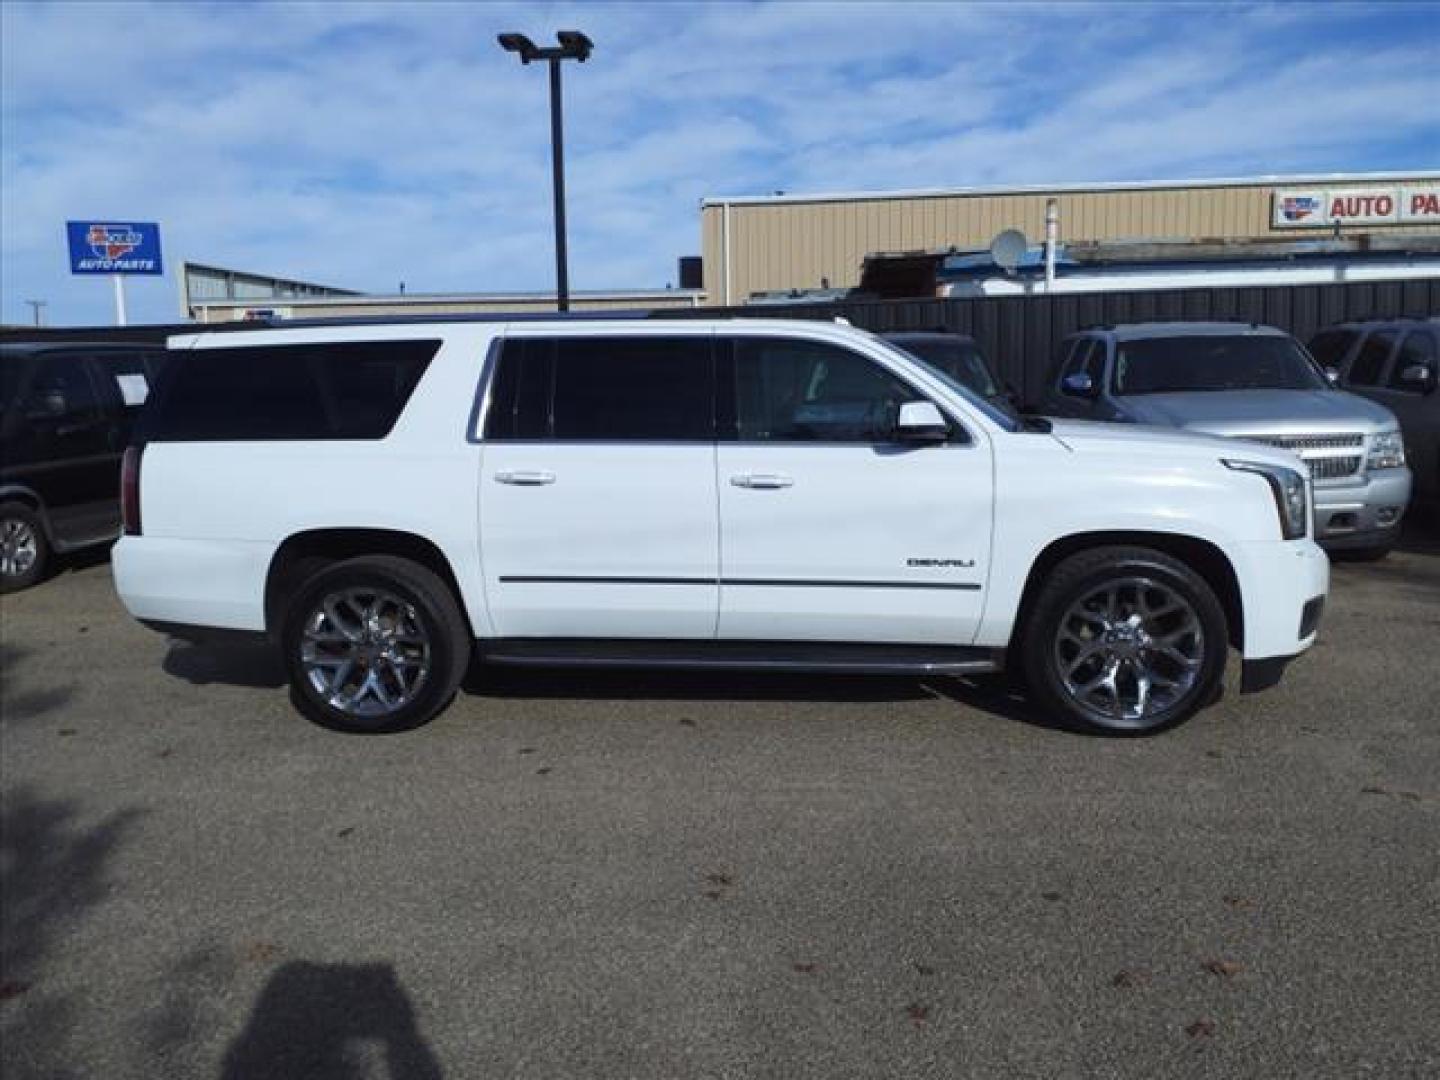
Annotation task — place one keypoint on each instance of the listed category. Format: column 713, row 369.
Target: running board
column 797, row 656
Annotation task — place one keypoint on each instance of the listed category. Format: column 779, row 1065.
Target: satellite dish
column 1008, row 248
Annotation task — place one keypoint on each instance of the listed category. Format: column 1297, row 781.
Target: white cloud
column 362, row 144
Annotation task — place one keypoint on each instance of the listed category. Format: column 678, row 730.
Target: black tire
column 436, row 617
column 18, row 516
column 1081, row 576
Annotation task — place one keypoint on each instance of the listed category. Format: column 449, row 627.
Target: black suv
column 66, row 411
column 1397, row 363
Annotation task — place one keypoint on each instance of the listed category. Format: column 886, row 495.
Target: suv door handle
column 765, row 481
column 526, row 477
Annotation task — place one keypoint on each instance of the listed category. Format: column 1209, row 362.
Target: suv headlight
column 1291, row 498
column 1387, row 451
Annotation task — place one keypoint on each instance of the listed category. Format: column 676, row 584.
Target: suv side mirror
column 921, row 422
column 1418, row 377
column 1078, row 385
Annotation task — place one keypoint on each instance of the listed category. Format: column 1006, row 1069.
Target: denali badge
column 963, row 564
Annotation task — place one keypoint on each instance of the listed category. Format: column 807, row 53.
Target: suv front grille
column 1329, row 457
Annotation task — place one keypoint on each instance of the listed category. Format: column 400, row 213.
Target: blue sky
column 366, row 144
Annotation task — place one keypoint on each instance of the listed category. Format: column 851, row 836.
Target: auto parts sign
column 1322, row 208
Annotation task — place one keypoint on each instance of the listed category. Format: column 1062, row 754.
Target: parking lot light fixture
column 573, row 46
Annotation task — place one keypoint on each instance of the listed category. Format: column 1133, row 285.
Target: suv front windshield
column 1214, row 362
column 959, row 359
column 994, row 405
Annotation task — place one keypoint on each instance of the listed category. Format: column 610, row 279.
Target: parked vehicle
column 958, row 356
column 1396, row 363
column 66, row 412
column 387, row 500
column 1251, row 382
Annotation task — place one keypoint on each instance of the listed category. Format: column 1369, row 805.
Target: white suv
column 390, row 500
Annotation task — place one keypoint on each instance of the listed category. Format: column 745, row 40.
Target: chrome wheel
column 365, row 652
column 1129, row 650
column 18, row 547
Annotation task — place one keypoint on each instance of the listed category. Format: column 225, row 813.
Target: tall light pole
column 37, row 307
column 573, row 46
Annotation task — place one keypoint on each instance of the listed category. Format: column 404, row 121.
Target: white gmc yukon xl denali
column 389, row 502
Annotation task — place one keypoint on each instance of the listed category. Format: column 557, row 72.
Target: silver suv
column 1250, row 382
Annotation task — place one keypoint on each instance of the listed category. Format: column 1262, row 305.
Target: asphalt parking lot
column 674, row 876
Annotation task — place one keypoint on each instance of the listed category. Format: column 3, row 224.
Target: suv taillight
column 130, row 490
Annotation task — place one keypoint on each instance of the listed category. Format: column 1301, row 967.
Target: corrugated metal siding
column 1019, row 333
column 793, row 245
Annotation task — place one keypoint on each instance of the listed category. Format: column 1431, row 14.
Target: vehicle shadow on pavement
column 257, row 666
column 260, row 667
column 331, row 1022
column 990, row 694
column 53, row 873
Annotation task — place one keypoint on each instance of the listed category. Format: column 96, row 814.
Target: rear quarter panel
column 228, row 506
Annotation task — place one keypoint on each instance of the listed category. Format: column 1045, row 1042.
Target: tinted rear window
column 11, row 369
column 335, row 390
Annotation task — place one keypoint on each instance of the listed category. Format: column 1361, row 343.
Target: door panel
column 65, row 450
column 598, row 515
column 599, row 540
column 862, row 543
column 829, row 532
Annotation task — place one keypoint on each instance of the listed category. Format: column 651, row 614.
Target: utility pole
column 37, row 308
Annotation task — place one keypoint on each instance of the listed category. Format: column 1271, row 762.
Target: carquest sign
column 111, row 247
column 1323, row 208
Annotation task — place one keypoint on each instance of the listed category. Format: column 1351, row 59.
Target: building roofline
column 420, row 299
column 1422, row 175
column 255, row 275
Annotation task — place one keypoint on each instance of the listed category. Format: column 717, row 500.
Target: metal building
column 758, row 244
column 404, row 304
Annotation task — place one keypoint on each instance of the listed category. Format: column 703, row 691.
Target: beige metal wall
column 796, row 244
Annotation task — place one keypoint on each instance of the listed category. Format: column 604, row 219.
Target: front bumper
column 1282, row 589
column 1363, row 514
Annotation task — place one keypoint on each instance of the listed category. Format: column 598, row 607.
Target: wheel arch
column 1204, row 557
column 304, row 553
column 27, row 496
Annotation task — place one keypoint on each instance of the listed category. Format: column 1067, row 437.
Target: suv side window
column 1368, row 368
column 61, row 390
column 604, row 389
column 1078, row 349
column 790, row 390
column 1330, row 347
column 334, row 390
column 1087, row 358
column 1417, row 348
